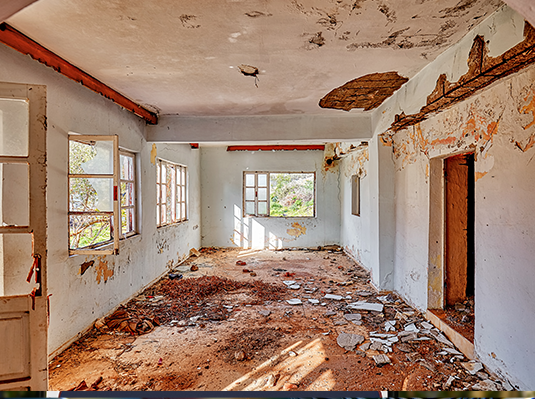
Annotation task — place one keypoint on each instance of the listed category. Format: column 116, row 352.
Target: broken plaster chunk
column 389, row 325
column 409, row 337
column 313, row 301
column 441, row 338
column 294, row 301
column 381, row 360
column 426, row 326
column 353, row 317
column 289, row 282
column 333, row 297
column 349, row 341
column 363, row 305
column 411, row 327
column 294, row 287
column 486, row 385
column 472, row 367
column 340, row 323
column 265, row 313
column 451, row 351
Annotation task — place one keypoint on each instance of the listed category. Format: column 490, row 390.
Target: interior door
column 23, row 288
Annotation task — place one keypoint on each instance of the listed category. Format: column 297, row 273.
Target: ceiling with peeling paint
column 187, row 57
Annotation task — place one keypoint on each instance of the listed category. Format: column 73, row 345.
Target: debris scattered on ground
column 241, row 263
column 381, row 360
column 194, row 252
column 194, row 268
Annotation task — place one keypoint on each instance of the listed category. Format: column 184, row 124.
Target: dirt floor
column 229, row 326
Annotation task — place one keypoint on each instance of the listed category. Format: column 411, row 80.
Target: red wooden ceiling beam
column 23, row 44
column 304, row 147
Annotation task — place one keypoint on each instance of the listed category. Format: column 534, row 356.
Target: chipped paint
column 482, row 71
column 103, row 271
column 330, row 156
column 297, row 230
column 153, row 154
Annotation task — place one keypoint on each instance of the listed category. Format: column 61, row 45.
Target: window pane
column 249, row 208
column 127, row 220
column 262, row 194
column 249, row 179
column 127, row 194
column 291, row 194
column 14, row 127
column 14, row 197
column 249, row 194
column 91, row 194
column 262, row 208
column 183, row 210
column 88, row 230
column 94, row 157
column 127, row 167
column 262, row 180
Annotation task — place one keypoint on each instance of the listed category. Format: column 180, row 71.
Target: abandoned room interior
column 362, row 159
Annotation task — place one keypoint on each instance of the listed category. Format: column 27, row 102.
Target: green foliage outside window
column 292, row 194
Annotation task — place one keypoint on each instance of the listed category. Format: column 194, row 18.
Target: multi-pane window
column 102, row 194
column 128, row 193
column 93, row 192
column 171, row 184
column 279, row 194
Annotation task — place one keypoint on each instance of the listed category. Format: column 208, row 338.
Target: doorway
column 451, row 277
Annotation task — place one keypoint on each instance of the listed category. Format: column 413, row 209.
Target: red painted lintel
column 303, row 147
column 194, row 145
column 23, row 44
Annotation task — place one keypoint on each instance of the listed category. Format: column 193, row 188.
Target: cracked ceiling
column 184, row 57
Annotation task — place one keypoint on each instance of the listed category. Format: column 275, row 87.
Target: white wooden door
column 23, row 288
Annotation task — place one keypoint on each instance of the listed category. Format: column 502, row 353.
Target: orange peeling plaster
column 297, row 230
column 103, row 272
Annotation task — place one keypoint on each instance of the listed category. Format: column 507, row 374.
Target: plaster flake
column 103, row 271
column 527, row 107
column 357, row 163
column 297, row 230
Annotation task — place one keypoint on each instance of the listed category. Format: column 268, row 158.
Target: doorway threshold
column 463, row 344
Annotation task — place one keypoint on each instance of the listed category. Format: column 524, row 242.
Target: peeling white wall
column 223, row 224
column 499, row 126
column 369, row 238
column 77, row 300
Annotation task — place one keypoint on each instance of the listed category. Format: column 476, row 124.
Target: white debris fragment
column 353, row 317
column 425, row 325
column 451, row 351
column 389, row 325
column 472, row 367
column 313, row 301
column 411, row 327
column 450, row 380
column 441, row 338
column 333, row 297
column 294, row 301
column 294, row 286
column 486, row 385
column 265, row 313
column 381, row 359
column 363, row 305
column 289, row 282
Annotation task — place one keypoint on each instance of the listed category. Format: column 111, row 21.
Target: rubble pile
column 195, row 299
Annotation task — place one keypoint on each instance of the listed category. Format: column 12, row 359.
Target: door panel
column 24, row 316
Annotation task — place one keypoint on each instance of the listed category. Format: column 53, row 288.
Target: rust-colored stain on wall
column 368, row 91
column 528, row 107
column 153, row 153
column 103, row 271
column 482, row 71
column 296, row 230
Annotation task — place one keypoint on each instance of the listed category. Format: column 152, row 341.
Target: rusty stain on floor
column 249, row 338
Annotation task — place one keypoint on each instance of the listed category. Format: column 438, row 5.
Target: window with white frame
column 171, row 184
column 127, row 162
column 102, row 194
column 279, row 194
column 93, row 193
